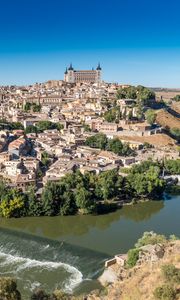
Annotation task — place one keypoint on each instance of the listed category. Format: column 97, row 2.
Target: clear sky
column 136, row 41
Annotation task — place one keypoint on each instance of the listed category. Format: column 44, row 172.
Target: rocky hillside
column 156, row 274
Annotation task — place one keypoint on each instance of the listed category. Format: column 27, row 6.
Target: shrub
column 171, row 273
column 151, row 238
column 8, row 289
column 133, row 256
column 165, row 292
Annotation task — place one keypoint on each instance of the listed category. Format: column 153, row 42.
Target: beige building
column 88, row 76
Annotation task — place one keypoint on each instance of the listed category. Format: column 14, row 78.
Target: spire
column 66, row 71
column 70, row 67
column 99, row 67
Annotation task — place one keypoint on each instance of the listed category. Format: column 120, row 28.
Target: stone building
column 88, row 76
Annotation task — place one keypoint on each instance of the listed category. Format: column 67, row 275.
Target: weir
column 49, row 264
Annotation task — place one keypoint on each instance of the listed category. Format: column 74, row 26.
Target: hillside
column 167, row 120
column 141, row 281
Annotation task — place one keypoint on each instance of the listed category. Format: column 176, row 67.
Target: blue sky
column 137, row 42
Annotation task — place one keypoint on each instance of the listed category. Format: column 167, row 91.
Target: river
column 69, row 252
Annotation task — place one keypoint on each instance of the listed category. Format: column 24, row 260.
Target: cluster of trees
column 115, row 145
column 140, row 93
column 32, row 106
column 43, row 125
column 10, row 126
column 87, row 193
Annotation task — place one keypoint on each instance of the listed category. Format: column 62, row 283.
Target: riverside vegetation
column 89, row 193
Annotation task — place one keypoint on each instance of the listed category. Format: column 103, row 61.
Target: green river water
column 69, row 252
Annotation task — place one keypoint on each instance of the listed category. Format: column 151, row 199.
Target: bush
column 151, row 238
column 133, row 256
column 165, row 292
column 171, row 273
column 8, row 289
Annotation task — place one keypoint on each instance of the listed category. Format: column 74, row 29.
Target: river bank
column 107, row 235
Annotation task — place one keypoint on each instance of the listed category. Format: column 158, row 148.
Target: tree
column 8, row 289
column 45, row 159
column 31, row 129
column 133, row 256
column 112, row 115
column 45, row 125
column 34, row 205
column 12, row 207
column 150, row 116
column 108, row 185
column 52, row 199
column 84, row 201
column 97, row 141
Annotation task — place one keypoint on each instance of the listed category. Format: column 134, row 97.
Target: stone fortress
column 87, row 76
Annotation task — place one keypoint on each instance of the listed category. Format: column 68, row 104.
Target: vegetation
column 172, row 166
column 47, row 125
column 150, row 238
column 140, row 92
column 8, row 289
column 32, row 106
column 165, row 292
column 133, row 256
column 100, row 141
column 31, row 129
column 10, row 126
column 113, row 115
column 150, row 116
column 175, row 133
column 82, row 193
column 171, row 273
column 177, row 98
column 45, row 159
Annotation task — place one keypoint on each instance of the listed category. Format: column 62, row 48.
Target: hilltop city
column 52, row 129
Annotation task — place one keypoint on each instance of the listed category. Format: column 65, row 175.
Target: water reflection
column 55, row 227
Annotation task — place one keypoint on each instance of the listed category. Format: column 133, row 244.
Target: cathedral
column 88, row 76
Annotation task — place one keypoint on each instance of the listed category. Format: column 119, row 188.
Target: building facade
column 85, row 76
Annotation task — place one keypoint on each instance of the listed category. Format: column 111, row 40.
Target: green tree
column 45, row 159
column 45, row 125
column 14, row 204
column 52, row 199
column 31, row 129
column 84, row 200
column 133, row 256
column 150, row 116
column 97, row 141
